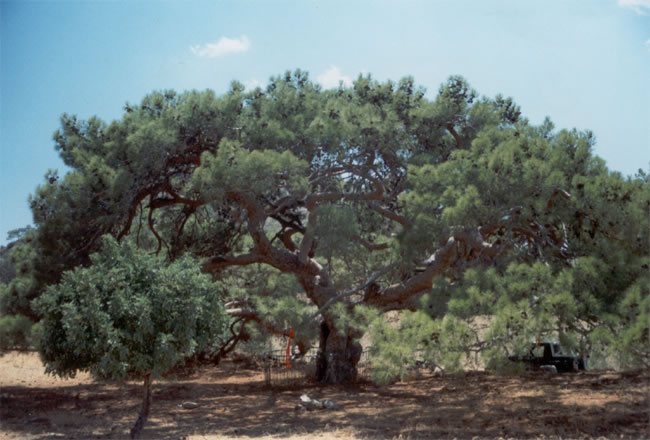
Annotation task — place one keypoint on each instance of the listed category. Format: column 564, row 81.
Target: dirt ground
column 234, row 403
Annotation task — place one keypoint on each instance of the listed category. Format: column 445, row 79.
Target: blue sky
column 584, row 63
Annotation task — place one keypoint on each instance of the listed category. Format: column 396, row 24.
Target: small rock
column 188, row 405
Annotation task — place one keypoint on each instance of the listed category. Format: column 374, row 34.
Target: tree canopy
column 322, row 200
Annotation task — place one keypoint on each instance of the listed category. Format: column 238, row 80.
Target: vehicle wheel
column 548, row 369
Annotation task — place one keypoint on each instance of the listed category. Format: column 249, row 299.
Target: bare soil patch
column 234, row 403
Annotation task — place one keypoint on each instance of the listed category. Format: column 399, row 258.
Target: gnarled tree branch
column 435, row 265
column 450, row 128
column 367, row 244
column 392, row 215
column 223, row 261
column 343, row 295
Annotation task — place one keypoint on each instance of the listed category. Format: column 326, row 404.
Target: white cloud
column 223, row 46
column 647, row 44
column 332, row 77
column 641, row 7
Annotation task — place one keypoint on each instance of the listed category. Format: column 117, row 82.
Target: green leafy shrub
column 128, row 315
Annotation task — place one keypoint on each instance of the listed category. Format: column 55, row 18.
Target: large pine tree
column 306, row 202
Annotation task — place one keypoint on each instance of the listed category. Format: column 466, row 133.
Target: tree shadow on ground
column 455, row 406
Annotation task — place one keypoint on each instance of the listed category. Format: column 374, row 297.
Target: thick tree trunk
column 144, row 410
column 338, row 356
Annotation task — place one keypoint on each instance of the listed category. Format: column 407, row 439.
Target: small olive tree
column 129, row 315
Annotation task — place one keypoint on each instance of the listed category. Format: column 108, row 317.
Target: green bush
column 128, row 315
column 15, row 331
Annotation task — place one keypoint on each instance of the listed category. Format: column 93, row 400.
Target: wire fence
column 280, row 371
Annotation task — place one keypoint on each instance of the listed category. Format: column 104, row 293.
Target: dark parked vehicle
column 550, row 356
